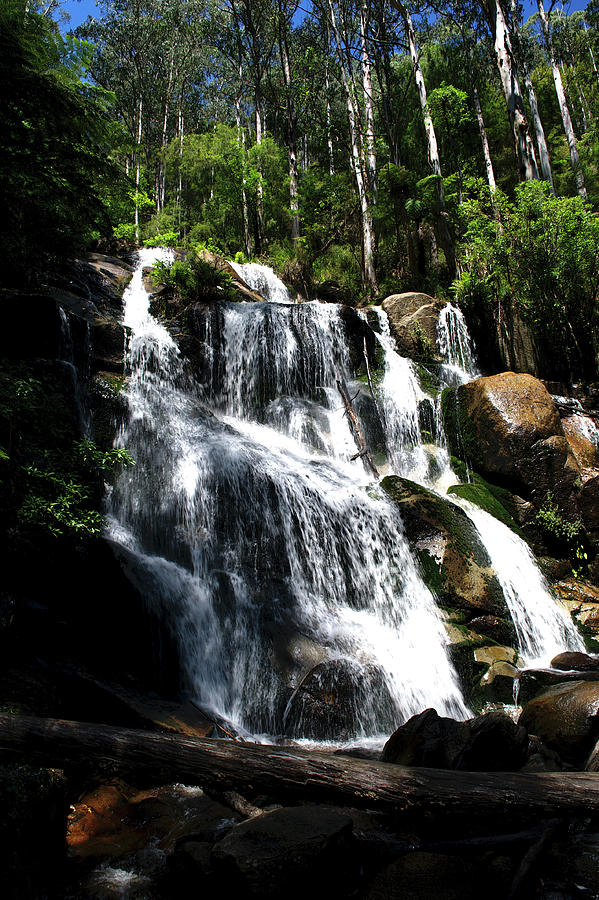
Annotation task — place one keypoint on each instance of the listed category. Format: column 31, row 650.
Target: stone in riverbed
column 566, row 718
column 454, row 562
column 581, row 662
column 488, row 743
column 291, row 852
column 413, row 321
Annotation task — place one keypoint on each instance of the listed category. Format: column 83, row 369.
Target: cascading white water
column 247, row 530
column 543, row 626
column 263, row 280
column 453, row 341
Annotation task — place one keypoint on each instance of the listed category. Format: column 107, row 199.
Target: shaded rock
column 357, row 331
column 191, row 867
column 420, row 876
column 508, row 427
column 489, row 743
column 454, row 562
column 573, row 660
column 413, row 321
column 108, row 346
column 499, row 630
column 541, row 758
column 582, row 600
column 287, row 852
column 533, row 682
column 329, row 701
column 566, row 718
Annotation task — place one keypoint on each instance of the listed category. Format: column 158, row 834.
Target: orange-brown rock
column 413, row 322
column 566, row 718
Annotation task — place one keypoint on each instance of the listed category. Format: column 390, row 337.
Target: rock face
column 413, row 321
column 286, row 852
column 454, row 562
column 509, row 430
column 566, row 718
column 489, row 743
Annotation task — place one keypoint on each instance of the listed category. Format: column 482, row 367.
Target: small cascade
column 453, row 341
column 543, row 626
column 250, row 531
column 263, row 280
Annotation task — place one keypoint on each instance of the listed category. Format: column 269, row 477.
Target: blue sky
column 79, row 10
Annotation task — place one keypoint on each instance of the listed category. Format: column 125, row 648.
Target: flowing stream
column 279, row 566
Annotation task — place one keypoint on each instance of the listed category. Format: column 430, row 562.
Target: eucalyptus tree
column 561, row 98
column 431, row 137
column 510, row 80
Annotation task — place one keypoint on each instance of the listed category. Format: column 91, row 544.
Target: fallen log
column 292, row 774
column 356, row 428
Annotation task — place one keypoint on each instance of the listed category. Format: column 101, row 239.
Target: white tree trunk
column 244, row 200
column 259, row 188
column 484, row 141
column 138, row 166
column 561, row 98
column 431, row 138
column 291, row 141
column 327, row 85
column 368, row 101
column 544, row 160
column 510, row 82
column 367, row 235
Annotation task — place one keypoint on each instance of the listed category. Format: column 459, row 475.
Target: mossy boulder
column 480, row 495
column 508, row 428
column 454, row 562
column 413, row 321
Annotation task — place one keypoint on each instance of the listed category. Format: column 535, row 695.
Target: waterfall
column 263, row 280
column 543, row 626
column 453, row 341
column 282, row 572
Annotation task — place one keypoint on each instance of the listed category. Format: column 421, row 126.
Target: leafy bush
column 194, row 278
column 537, row 256
column 50, row 481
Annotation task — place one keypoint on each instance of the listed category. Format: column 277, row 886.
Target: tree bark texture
column 292, row 774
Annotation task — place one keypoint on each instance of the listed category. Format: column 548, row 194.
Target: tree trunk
column 532, row 99
column 292, row 774
column 369, row 275
column 291, row 138
column 138, row 167
column 484, row 141
column 261, row 230
column 508, row 72
column 368, row 102
column 327, row 85
column 433, row 150
column 561, row 98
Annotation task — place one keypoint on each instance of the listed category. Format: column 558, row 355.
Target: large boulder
column 291, row 852
column 413, row 321
column 508, row 428
column 454, row 562
column 489, row 743
column 566, row 718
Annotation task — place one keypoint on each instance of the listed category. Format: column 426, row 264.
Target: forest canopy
column 347, row 141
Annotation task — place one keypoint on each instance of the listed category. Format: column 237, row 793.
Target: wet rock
column 115, row 820
column 108, row 345
column 582, row 446
column 541, row 758
column 499, row 630
column 489, row 743
column 453, row 560
column 330, row 700
column 413, row 322
column 582, row 600
column 192, row 869
column 572, row 660
column 566, row 718
column 508, row 427
column 290, row 852
column 533, row 682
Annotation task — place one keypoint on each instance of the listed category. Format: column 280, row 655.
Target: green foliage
column 55, row 169
column 50, row 480
column 164, row 239
column 537, row 255
column 195, row 278
column 563, row 536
